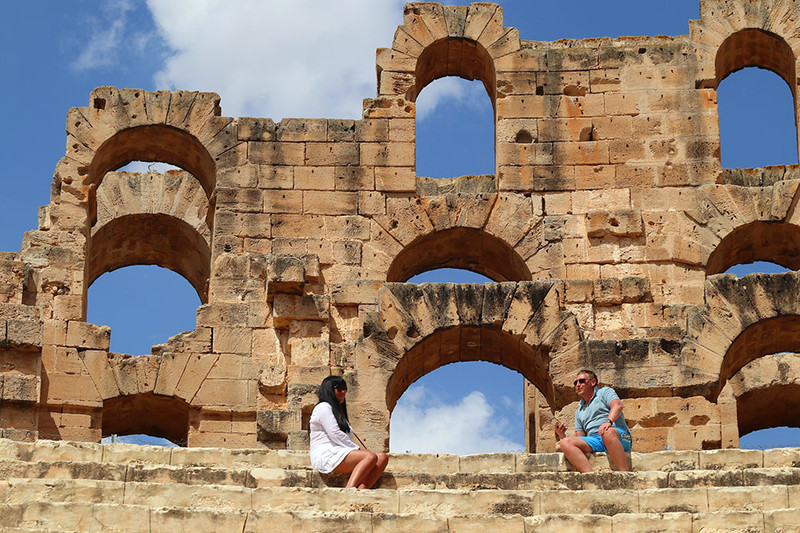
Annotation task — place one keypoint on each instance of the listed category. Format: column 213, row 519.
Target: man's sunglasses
column 579, row 380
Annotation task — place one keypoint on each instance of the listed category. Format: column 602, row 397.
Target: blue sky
column 275, row 59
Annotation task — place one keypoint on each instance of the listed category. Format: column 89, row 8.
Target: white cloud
column 470, row 94
column 515, row 406
column 106, row 36
column 282, row 58
column 421, row 423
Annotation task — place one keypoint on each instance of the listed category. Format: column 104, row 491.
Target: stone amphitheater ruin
column 606, row 229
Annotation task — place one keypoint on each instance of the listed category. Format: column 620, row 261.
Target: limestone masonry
column 606, row 228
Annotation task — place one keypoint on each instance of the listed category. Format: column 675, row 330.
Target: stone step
column 252, row 477
column 261, row 477
column 44, row 450
column 440, row 503
column 44, row 516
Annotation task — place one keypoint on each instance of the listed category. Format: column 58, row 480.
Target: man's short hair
column 589, row 373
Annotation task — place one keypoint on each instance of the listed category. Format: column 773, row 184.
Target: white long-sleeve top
column 329, row 444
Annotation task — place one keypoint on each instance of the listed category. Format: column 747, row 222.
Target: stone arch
column 150, row 394
column 174, row 193
column 151, row 239
column 755, row 47
column 767, row 392
column 466, row 343
column 421, row 233
column 734, row 224
column 466, row 248
column 148, row 414
column 768, row 336
column 436, row 41
column 454, row 56
column 120, row 125
column 744, row 320
column 182, row 128
column 775, row 242
column 419, row 328
column 734, row 35
column 156, row 142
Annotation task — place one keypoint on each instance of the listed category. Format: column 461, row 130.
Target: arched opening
column 147, row 166
column 466, row 344
column 147, row 414
column 159, row 217
column 126, row 300
column 138, row 438
column 775, row 437
column 767, row 392
column 462, row 408
column 769, row 336
column 154, row 148
column 450, row 110
column 768, row 408
column 454, row 56
column 454, row 129
column 776, row 242
column 154, row 143
column 756, row 267
column 483, row 401
column 463, row 248
column 757, row 114
column 151, row 239
column 449, row 275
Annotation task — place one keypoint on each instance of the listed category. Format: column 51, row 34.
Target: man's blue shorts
column 596, row 442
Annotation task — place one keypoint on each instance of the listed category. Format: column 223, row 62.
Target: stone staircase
column 70, row 486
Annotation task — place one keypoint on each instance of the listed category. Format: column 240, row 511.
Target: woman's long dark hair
column 327, row 395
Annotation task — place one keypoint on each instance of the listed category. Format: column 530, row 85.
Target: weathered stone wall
column 606, row 226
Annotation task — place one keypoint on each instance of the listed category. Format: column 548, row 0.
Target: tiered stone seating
column 68, row 486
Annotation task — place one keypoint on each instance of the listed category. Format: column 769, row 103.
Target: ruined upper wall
column 604, row 226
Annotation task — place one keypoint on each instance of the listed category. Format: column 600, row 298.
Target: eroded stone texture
column 605, row 228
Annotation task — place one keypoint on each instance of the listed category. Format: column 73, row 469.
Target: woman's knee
column 383, row 459
column 370, row 458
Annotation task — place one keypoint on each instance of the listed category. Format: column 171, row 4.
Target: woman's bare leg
column 359, row 464
column 376, row 472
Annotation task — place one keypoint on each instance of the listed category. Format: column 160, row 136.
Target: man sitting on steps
column 599, row 426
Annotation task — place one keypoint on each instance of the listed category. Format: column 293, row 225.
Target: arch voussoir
column 441, row 302
column 413, row 300
column 405, row 43
column 395, row 320
column 431, row 14
column 757, row 297
column 405, row 219
column 497, row 299
column 483, row 19
column 414, row 24
column 469, row 303
column 455, row 19
column 527, row 301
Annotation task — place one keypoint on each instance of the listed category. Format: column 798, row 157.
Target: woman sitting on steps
column 332, row 448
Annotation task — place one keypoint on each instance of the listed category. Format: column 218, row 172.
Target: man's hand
column 561, row 430
column 605, row 426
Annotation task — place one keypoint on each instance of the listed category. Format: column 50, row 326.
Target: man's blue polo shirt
column 589, row 417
